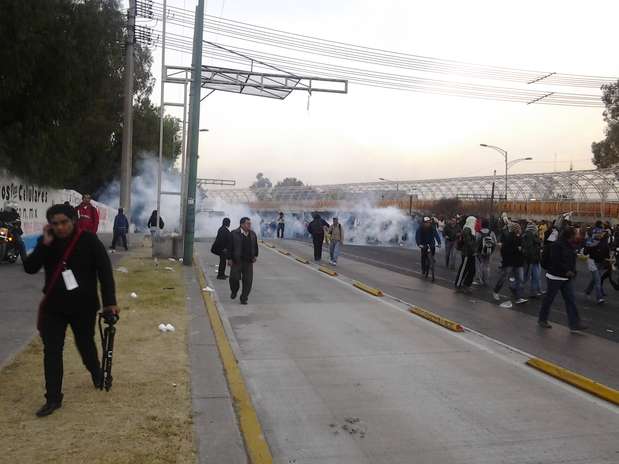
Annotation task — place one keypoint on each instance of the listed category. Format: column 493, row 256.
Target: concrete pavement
column 587, row 354
column 339, row 376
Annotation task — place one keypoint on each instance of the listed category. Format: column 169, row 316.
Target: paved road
column 588, row 354
column 338, row 376
column 603, row 319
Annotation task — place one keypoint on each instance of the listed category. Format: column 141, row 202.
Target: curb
column 284, row 252
column 448, row 324
column 579, row 381
column 255, row 442
column 328, row 271
column 301, row 260
column 368, row 289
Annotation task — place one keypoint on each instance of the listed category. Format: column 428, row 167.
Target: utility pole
column 127, row 155
column 194, row 135
column 161, row 112
column 492, row 194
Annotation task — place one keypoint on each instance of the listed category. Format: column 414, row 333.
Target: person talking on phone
column 73, row 260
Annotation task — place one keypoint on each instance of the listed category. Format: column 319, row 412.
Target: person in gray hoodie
column 486, row 244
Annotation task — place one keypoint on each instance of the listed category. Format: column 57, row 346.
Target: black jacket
column 316, row 227
column 511, row 251
column 451, row 232
column 235, row 253
column 88, row 262
column 562, row 258
column 222, row 242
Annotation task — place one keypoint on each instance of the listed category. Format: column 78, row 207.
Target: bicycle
column 427, row 261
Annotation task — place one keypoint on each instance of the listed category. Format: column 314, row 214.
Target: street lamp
column 397, row 185
column 508, row 164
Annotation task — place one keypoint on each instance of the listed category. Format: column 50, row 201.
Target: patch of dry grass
column 144, row 418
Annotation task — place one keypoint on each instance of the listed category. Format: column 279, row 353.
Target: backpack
column 486, row 245
column 460, row 241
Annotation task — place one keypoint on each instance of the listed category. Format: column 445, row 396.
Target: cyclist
column 427, row 238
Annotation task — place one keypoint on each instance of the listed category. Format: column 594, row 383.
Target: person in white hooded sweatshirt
column 467, row 246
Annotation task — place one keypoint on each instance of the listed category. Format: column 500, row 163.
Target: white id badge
column 69, row 280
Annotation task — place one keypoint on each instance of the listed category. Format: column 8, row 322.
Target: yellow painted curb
column 270, row 245
column 284, row 252
column 326, row 270
column 257, row 447
column 451, row 325
column 366, row 288
column 301, row 260
column 577, row 380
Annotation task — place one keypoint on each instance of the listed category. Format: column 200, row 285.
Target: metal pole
column 161, row 111
column 505, row 177
column 127, row 155
column 196, row 81
column 492, row 194
column 183, row 160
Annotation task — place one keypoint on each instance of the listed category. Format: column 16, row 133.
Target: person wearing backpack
column 598, row 250
column 466, row 245
column 221, row 246
column 451, row 232
column 512, row 266
column 317, row 228
column 532, row 251
column 486, row 244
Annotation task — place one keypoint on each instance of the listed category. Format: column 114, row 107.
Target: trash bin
column 163, row 246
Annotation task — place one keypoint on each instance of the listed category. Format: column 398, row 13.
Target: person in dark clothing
column 532, row 251
column 561, row 272
column 152, row 224
column 71, row 299
column 120, row 230
column 468, row 247
column 281, row 225
column 597, row 248
column 427, row 236
column 11, row 219
column 451, row 232
column 316, row 228
column 242, row 256
column 221, row 246
column 512, row 265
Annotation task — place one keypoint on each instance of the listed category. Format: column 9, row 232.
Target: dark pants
column 280, row 230
column 567, row 291
column 318, row 241
column 243, row 271
column 221, row 271
column 54, row 326
column 122, row 236
column 466, row 273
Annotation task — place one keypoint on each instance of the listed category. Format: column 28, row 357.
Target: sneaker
column 48, row 408
column 521, row 301
column 601, row 301
column 496, row 296
column 578, row 328
column 544, row 324
column 233, row 295
column 506, row 305
column 243, row 302
column 476, row 283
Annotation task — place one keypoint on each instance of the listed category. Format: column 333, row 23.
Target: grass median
column 145, row 418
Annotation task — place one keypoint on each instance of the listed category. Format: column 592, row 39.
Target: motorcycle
column 9, row 246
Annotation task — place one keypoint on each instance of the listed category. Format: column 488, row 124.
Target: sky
column 371, row 133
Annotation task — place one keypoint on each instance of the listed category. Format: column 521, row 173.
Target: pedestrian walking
column 74, row 260
column 316, row 229
column 597, row 250
column 486, row 244
column 242, row 256
column 281, row 225
column 88, row 215
column 152, row 224
column 120, row 229
column 337, row 240
column 512, row 264
column 532, row 251
column 466, row 245
column 561, row 270
column 451, row 232
column 221, row 247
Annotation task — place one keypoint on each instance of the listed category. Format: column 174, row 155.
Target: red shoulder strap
column 65, row 257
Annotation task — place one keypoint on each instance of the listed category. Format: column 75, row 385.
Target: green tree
column 289, row 182
column 61, row 93
column 261, row 182
column 606, row 152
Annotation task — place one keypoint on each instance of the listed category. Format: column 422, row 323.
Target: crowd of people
column 527, row 249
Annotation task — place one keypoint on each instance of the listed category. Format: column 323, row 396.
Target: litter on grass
column 207, row 289
column 133, row 295
column 122, row 269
